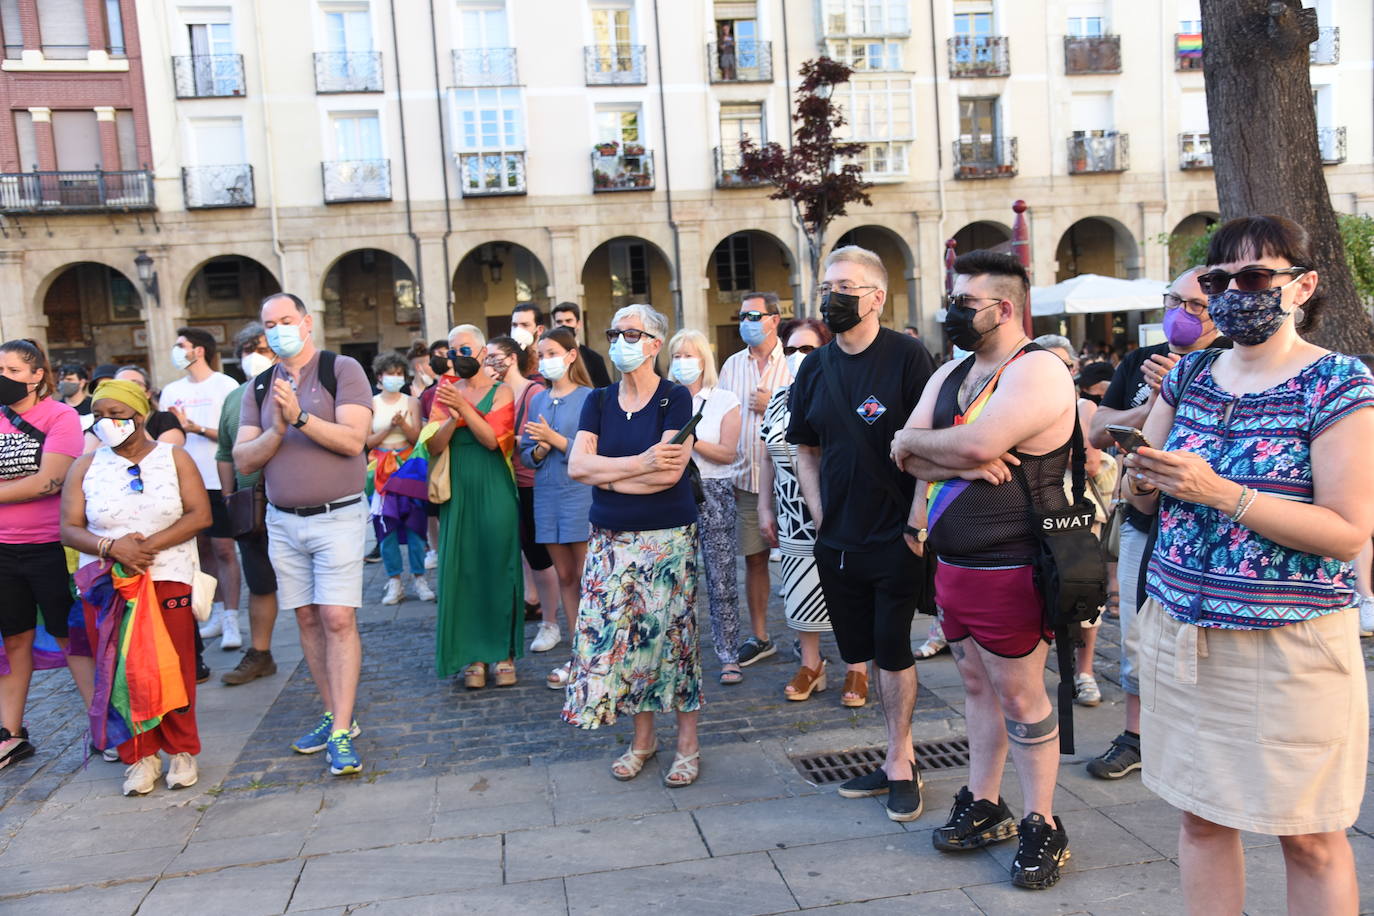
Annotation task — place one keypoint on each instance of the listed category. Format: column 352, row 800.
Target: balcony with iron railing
column 208, row 76
column 491, row 174
column 628, row 169
column 1327, row 48
column 96, row 191
column 210, row 187
column 1331, row 141
column 615, row 65
column 1092, row 152
column 356, row 180
column 1187, row 50
column 1092, row 54
column 1194, row 151
column 485, row 67
column 743, row 61
column 348, row 71
column 972, row 56
column 985, row 157
column 727, row 172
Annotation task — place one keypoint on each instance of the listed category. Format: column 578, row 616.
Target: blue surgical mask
column 553, row 368
column 180, row 358
column 686, row 369
column 627, row 356
column 393, row 383
column 753, row 332
column 285, row 340
column 1249, row 318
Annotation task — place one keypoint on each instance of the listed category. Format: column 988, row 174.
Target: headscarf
column 128, row 393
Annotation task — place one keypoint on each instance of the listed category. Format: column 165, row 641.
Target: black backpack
column 263, row 381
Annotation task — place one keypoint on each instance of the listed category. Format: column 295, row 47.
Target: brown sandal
column 805, row 682
column 505, row 673
column 475, row 676
column 855, row 682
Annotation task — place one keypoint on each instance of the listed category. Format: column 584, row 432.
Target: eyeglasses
column 753, row 315
column 845, row 288
column 633, row 335
column 461, row 351
column 135, row 478
column 1194, row 307
column 803, row 349
column 1249, row 280
column 962, row 301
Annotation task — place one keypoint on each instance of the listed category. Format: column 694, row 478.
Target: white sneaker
column 232, row 638
column 1367, row 616
column 422, row 589
column 431, row 559
column 394, row 592
column 214, row 626
column 1088, row 693
column 182, row 772
column 546, row 637
column 141, row 776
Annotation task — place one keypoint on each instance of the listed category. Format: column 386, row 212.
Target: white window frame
column 895, row 155
column 892, row 57
column 331, row 144
column 321, row 20
column 194, row 153
column 866, row 17
column 621, row 107
column 631, row 6
column 730, row 158
column 459, row 34
column 508, row 99
column 900, row 99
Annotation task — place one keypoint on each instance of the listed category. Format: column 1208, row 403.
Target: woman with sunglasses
column 480, row 588
column 1250, row 662
column 635, row 649
column 140, row 504
column 786, row 524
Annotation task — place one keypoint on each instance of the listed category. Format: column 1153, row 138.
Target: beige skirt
column 1261, row 730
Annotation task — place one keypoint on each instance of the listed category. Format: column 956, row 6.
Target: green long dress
column 481, row 591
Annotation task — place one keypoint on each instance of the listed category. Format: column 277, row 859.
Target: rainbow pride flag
column 1188, row 44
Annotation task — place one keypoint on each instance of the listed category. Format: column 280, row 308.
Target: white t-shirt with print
column 201, row 402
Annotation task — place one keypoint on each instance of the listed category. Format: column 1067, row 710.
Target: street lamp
column 148, row 276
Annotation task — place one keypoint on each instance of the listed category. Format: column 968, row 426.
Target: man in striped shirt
column 753, row 374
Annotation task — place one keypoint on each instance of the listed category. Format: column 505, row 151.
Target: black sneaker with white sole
column 866, row 786
column 1043, row 849
column 904, row 798
column 974, row 823
column 1118, row 760
column 753, row 649
column 14, row 748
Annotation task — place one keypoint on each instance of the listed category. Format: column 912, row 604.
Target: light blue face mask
column 180, row 358
column 627, row 356
column 285, row 340
column 553, row 368
column 753, row 332
column 685, row 369
column 393, row 383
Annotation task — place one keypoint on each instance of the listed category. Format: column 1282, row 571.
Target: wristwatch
column 919, row 534
column 300, row 421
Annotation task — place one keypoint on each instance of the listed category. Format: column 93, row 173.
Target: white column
column 436, row 286
column 15, row 317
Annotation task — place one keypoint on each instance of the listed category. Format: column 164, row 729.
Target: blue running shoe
column 342, row 758
column 314, row 741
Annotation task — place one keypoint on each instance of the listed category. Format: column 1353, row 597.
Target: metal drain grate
column 838, row 766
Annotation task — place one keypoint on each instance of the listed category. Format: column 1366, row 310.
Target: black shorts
column 871, row 597
column 219, row 516
column 257, row 565
column 536, row 553
column 34, row 576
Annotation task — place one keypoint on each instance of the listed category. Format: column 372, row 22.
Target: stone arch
column 897, row 257
column 741, row 262
column 621, row 270
column 94, row 314
column 1185, row 234
column 491, row 278
column 983, row 234
column 1097, row 245
column 371, row 304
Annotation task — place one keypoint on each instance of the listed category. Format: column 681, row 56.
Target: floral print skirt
column 635, row 649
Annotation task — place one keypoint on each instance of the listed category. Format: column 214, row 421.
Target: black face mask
column 12, row 391
column 1095, row 398
column 464, row 366
column 841, row 311
column 959, row 327
column 438, row 365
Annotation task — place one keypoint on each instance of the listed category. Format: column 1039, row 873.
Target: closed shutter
column 736, row 9
column 77, row 137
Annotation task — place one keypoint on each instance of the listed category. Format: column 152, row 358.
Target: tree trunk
column 1264, row 143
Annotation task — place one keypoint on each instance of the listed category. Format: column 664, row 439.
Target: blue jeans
column 391, row 553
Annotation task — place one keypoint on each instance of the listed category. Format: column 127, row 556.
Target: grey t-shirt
column 303, row 473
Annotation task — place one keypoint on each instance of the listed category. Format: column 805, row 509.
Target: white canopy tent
column 1091, row 293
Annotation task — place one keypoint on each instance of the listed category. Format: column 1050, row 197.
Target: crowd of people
column 1223, row 476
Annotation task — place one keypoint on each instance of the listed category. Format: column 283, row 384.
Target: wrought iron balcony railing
column 356, row 180
column 96, row 191
column 1327, row 48
column 1194, row 151
column 985, row 157
column 207, row 187
column 491, row 174
column 1092, row 54
column 485, row 67
column 1101, row 151
column 979, row 55
column 623, row 172
column 1331, row 141
column 615, row 65
column 1187, row 50
column 727, row 171
column 208, row 76
column 348, row 71
column 744, row 61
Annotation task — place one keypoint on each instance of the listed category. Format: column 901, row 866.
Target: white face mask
column 181, row 359
column 553, row 368
column 521, row 336
column 255, row 364
column 112, row 432
column 686, row 369
column 794, row 362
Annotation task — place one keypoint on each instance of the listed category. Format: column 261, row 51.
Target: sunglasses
column 804, row 348
column 1248, row 280
column 633, row 335
column 461, row 351
column 135, row 478
column 753, row 315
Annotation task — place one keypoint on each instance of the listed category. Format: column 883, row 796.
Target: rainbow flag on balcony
column 1188, row 44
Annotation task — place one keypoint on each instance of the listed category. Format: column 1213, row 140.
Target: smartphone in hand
column 1128, row 437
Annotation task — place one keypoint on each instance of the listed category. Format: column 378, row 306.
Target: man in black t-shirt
column 568, row 315
column 1133, row 391
column 848, row 400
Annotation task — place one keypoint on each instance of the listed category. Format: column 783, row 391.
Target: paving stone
column 493, row 788
column 787, row 822
column 1128, row 890
column 232, row 816
column 493, row 820
column 1095, row 840
column 242, row 850
column 1266, row 885
column 586, row 792
column 954, row 903
column 735, row 774
column 355, row 802
column 246, row 890
column 47, row 839
column 739, row 885
column 114, row 900
column 533, row 897
column 62, row 873
column 602, row 846
column 400, row 871
column 373, row 834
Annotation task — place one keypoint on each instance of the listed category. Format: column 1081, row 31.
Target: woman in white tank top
column 395, row 427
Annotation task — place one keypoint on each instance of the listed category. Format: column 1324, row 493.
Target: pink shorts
column 1000, row 608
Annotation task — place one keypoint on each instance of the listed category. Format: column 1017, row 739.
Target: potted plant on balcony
column 600, row 179
column 643, row 180
column 634, row 149
column 607, row 148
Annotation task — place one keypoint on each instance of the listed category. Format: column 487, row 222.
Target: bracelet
column 1248, row 495
column 1240, row 503
column 102, row 549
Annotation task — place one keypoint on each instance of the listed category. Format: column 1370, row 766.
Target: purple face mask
column 1182, row 329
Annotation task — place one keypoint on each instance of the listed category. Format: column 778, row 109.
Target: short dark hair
column 1273, row 237
column 985, row 263
column 417, row 350
column 771, row 302
column 202, row 338
column 295, row 300
column 440, row 345
column 391, row 361
column 31, row 352
column 102, row 372
column 529, row 307
column 75, row 369
column 246, row 340
column 567, row 307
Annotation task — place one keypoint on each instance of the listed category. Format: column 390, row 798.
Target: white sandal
column 631, row 762
column 684, row 771
column 559, row 677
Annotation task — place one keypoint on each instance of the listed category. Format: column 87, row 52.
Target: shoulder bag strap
column 24, row 426
column 872, row 462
